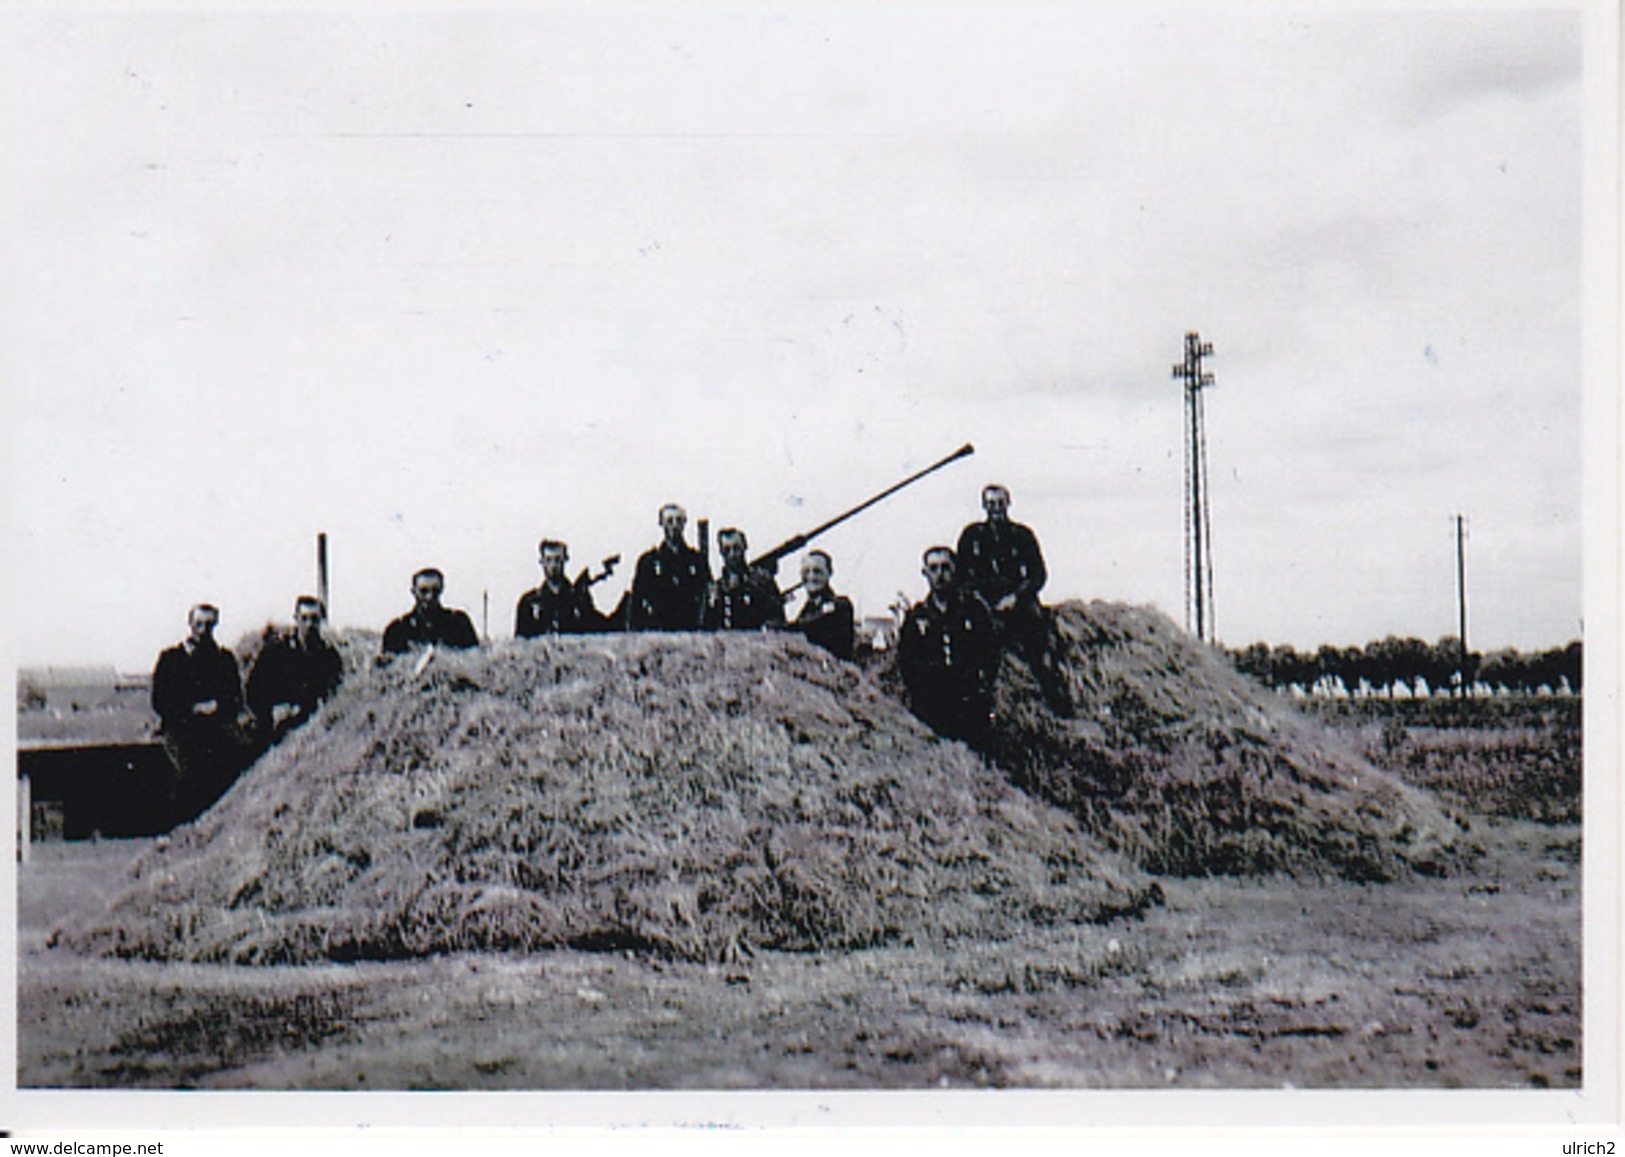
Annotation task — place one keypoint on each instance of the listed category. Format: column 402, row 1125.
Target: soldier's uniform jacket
column 445, row 626
column 565, row 610
column 827, row 619
column 948, row 653
column 287, row 671
column 996, row 559
column 668, row 589
column 743, row 601
column 207, row 751
column 190, row 674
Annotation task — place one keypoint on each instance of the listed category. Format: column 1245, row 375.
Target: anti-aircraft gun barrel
column 791, row 545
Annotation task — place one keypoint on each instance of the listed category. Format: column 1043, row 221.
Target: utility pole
column 1461, row 601
column 1198, row 527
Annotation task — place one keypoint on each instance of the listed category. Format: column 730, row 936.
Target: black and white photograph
column 778, row 564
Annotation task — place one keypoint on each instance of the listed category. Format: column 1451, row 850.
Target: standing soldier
column 744, row 597
column 197, row 692
column 668, row 587
column 558, row 606
column 1000, row 561
column 428, row 622
column 948, row 654
column 826, row 618
column 294, row 671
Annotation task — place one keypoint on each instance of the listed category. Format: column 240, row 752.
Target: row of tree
column 1412, row 666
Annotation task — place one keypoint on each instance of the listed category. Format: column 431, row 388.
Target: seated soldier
column 826, row 618
column 1000, row 561
column 744, row 597
column 558, row 606
column 294, row 671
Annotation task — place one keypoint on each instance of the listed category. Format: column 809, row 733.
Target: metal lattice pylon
column 1198, row 523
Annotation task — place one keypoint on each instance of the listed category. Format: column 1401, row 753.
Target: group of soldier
column 672, row 589
column 211, row 725
column 982, row 600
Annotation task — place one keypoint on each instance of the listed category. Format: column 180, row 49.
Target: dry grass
column 1176, row 759
column 1514, row 757
column 701, row 796
column 691, row 796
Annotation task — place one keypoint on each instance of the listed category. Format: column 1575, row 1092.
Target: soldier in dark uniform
column 669, row 585
column 197, row 692
column 826, row 618
column 558, row 606
column 428, row 622
column 744, row 597
column 1000, row 560
column 948, row 654
column 294, row 671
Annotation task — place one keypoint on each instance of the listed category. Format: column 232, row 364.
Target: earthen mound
column 1191, row 768
column 693, row 796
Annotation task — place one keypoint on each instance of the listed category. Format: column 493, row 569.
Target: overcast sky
column 442, row 284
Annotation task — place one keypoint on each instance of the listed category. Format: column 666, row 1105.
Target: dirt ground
column 1465, row 982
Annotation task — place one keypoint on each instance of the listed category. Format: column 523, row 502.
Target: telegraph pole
column 1461, row 600
column 1198, row 527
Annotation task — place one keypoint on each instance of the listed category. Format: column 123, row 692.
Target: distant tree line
column 1411, row 666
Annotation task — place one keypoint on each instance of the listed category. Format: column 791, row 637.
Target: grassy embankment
column 1514, row 757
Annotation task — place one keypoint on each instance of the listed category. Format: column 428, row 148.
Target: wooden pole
column 321, row 571
column 25, row 818
column 1461, row 599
